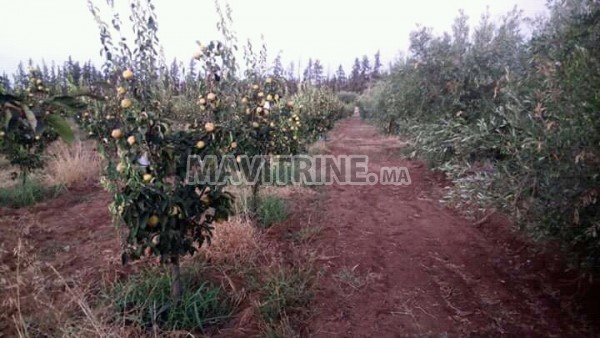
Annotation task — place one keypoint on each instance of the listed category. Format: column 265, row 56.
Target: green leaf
column 101, row 150
column 68, row 102
column 7, row 117
column 7, row 98
column 30, row 116
column 143, row 221
column 41, row 126
column 61, row 127
column 100, row 84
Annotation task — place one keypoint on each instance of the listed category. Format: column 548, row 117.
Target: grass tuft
column 26, row 194
column 144, row 300
column 306, row 234
column 286, row 291
column 271, row 210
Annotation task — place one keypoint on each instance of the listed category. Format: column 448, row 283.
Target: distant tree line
column 181, row 79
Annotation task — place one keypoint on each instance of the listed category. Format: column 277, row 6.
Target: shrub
column 524, row 113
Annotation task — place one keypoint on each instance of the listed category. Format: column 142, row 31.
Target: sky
column 333, row 31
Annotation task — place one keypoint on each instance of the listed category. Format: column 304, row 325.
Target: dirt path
column 401, row 265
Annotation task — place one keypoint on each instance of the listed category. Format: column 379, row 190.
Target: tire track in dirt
column 403, row 265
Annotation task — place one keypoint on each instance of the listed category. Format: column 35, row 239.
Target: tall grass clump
column 73, row 164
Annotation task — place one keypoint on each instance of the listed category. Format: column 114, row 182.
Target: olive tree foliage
column 513, row 119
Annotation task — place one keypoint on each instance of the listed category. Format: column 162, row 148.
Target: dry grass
column 39, row 301
column 74, row 164
column 288, row 191
column 3, row 162
column 287, row 287
column 243, row 199
column 234, row 241
column 6, row 173
column 67, row 165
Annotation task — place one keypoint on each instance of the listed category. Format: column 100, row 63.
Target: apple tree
column 165, row 215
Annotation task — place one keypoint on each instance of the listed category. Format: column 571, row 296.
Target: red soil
column 402, row 265
column 396, row 263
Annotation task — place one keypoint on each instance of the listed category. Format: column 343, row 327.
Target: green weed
column 145, row 300
column 271, row 210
